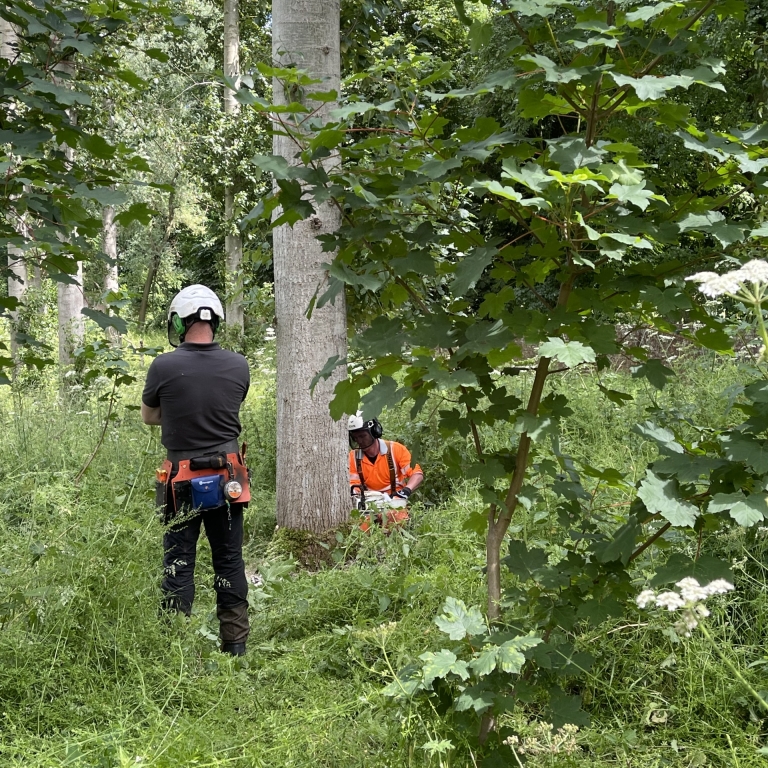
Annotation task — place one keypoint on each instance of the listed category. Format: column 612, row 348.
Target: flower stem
column 733, row 668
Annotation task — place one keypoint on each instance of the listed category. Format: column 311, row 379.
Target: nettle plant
column 553, row 226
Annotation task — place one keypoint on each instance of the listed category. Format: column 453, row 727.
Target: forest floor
column 92, row 677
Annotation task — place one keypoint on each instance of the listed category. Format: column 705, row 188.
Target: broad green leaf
column 274, row 164
column 531, row 175
column 661, row 496
column 457, row 621
column 553, row 73
column 714, row 223
column 663, row 437
column 687, row 468
column 636, row 194
column 536, row 427
column 385, row 394
column 646, row 12
column 566, row 709
column 441, row 664
column 485, row 662
column 437, row 746
column 622, row 544
column 655, row 371
column 510, row 654
column 569, row 353
column 346, row 399
column 705, row 569
column 478, row 697
column 572, row 153
column 745, row 510
column 106, row 321
column 471, row 267
column 650, row 87
column 102, row 195
column 355, row 108
column 750, row 450
column 524, row 562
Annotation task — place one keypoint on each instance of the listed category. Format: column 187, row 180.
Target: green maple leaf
column 441, row 664
column 485, row 662
column 663, row 437
column 660, row 496
column 570, row 353
column 636, row 194
column 457, row 621
column 650, row 88
column 510, row 656
column 745, row 510
column 752, row 452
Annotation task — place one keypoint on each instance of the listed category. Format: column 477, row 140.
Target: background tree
column 233, row 242
column 312, row 485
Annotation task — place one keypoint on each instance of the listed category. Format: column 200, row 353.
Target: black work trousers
column 224, row 529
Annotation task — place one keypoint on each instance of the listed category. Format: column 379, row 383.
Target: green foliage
column 553, row 227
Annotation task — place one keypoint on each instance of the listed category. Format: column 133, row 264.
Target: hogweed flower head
column 748, row 283
column 731, row 283
column 689, row 600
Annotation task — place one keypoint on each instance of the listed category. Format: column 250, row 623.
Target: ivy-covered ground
column 90, row 676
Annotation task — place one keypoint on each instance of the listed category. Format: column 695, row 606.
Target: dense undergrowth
column 90, row 675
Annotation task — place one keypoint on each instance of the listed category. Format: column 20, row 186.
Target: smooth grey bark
column 233, row 241
column 70, row 296
column 109, row 247
column 17, row 280
column 312, row 473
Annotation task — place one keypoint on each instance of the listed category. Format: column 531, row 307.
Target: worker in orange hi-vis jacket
column 380, row 466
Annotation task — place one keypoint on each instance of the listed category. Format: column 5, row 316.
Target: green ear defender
column 178, row 324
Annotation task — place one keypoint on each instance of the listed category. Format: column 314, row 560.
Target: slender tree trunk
column 312, row 474
column 109, row 247
column 70, row 296
column 17, row 279
column 233, row 241
column 17, row 286
column 154, row 264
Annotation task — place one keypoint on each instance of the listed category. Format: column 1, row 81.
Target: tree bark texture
column 312, row 474
column 70, row 296
column 17, row 280
column 155, row 260
column 109, row 247
column 233, row 241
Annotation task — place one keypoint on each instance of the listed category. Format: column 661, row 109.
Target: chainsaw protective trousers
column 224, row 530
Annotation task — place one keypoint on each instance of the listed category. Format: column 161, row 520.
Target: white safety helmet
column 193, row 303
column 356, row 422
column 372, row 426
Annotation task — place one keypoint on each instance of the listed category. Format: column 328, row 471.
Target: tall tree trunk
column 154, row 264
column 312, row 474
column 17, row 279
column 17, row 286
column 109, row 247
column 233, row 241
column 70, row 296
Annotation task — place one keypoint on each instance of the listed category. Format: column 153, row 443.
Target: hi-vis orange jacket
column 376, row 475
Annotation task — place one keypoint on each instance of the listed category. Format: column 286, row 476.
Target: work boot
column 233, row 649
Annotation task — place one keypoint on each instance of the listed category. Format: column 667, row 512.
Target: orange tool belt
column 190, row 488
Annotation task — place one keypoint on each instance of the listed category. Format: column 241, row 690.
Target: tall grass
column 91, row 676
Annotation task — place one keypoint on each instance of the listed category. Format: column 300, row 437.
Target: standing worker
column 380, row 465
column 194, row 394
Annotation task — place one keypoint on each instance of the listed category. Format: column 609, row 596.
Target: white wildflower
column 691, row 591
column 670, row 600
column 645, row 598
column 720, row 285
column 755, row 271
column 702, row 277
column 719, row 587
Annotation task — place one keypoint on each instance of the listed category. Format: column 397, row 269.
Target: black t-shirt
column 199, row 388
